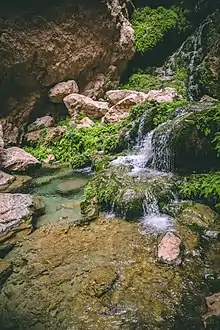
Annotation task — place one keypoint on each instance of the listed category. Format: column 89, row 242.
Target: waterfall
column 191, row 54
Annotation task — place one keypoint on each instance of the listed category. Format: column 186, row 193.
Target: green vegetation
column 78, row 146
column 205, row 187
column 150, row 26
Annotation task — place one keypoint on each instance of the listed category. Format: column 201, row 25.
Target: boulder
column 115, row 96
column 17, row 212
column 42, row 122
column 85, row 123
column 5, row 180
column 61, row 90
column 80, row 104
column 16, row 159
column 167, row 94
column 169, row 249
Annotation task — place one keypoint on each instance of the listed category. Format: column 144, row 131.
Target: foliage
column 143, row 82
column 77, row 146
column 209, row 124
column 205, row 187
column 150, row 26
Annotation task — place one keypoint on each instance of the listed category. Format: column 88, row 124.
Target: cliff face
column 40, row 45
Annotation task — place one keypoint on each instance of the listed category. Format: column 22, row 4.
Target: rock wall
column 42, row 44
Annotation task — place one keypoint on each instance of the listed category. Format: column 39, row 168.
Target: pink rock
column 169, row 249
column 42, row 122
column 85, row 123
column 61, row 90
column 164, row 95
column 16, row 159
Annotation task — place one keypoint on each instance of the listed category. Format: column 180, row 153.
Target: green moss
column 208, row 79
column 150, row 26
column 143, row 82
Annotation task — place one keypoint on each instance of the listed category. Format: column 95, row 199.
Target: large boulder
column 18, row 212
column 80, row 104
column 42, row 122
column 59, row 91
column 55, row 42
column 17, row 160
column 115, row 96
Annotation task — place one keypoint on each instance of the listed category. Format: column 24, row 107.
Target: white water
column 191, row 58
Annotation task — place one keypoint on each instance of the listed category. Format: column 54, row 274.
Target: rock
column 17, row 212
column 42, row 122
column 63, row 89
column 115, row 96
column 17, row 160
column 212, row 317
column 80, row 104
column 61, row 41
column 48, row 136
column 167, row 94
column 107, row 267
column 85, row 123
column 169, row 249
column 1, row 139
column 20, row 182
column 50, row 159
column 70, row 186
column 121, row 110
column 5, row 271
column 5, row 180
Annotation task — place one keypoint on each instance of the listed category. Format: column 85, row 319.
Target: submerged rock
column 70, row 186
column 100, row 276
column 80, row 104
column 17, row 160
column 169, row 249
column 17, row 212
column 63, row 89
column 42, row 122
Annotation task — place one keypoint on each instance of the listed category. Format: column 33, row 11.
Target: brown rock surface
column 80, row 104
column 42, row 122
column 17, row 212
column 43, row 45
column 50, row 134
column 18, row 160
column 61, row 90
column 5, row 180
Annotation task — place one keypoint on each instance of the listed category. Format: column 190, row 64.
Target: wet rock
column 5, row 271
column 167, row 94
column 70, row 186
column 80, row 104
column 85, row 123
column 18, row 160
column 42, row 122
column 169, row 249
column 106, row 266
column 5, row 180
column 20, row 182
column 63, row 89
column 90, row 209
column 17, row 212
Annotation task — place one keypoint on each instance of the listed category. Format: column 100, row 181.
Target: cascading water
column 191, row 54
column 152, row 156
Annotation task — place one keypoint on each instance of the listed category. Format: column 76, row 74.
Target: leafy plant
column 150, row 26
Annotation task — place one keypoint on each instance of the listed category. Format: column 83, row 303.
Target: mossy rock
column 126, row 195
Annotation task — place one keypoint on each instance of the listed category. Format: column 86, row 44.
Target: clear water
column 60, row 207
